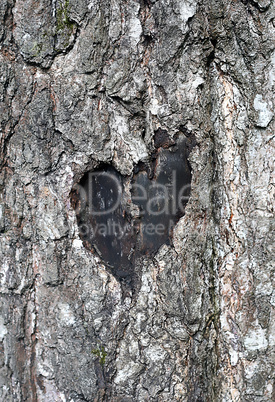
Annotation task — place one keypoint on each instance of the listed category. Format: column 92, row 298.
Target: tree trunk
column 86, row 85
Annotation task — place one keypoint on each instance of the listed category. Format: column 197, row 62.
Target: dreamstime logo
column 155, row 207
column 119, row 230
column 104, row 194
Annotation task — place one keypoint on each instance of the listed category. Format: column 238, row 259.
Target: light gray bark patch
column 264, row 114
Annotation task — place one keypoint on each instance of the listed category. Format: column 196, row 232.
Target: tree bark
column 86, row 83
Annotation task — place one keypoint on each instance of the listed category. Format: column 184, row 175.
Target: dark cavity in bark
column 123, row 225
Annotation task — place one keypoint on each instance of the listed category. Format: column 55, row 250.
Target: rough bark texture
column 89, row 82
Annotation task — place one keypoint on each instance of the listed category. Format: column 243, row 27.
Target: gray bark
column 90, row 82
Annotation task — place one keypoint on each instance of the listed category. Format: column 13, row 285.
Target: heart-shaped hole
column 123, row 218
